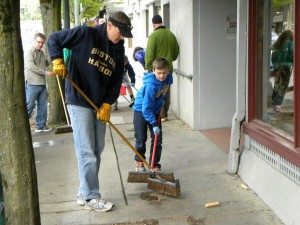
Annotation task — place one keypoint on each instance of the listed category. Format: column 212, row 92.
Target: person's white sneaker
column 80, row 201
column 44, row 129
column 98, row 205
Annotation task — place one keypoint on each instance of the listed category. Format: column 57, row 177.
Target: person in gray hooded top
column 35, row 65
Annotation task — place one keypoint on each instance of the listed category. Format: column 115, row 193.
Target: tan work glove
column 103, row 113
column 59, row 68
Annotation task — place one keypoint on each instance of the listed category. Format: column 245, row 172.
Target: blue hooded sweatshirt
column 150, row 98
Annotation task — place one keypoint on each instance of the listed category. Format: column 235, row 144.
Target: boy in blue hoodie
column 148, row 103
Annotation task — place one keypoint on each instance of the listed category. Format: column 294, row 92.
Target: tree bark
column 17, row 162
column 51, row 17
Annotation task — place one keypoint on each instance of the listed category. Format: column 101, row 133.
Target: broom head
column 142, row 177
column 165, row 187
column 63, row 129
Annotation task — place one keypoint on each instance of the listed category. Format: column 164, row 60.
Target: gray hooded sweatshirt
column 35, row 64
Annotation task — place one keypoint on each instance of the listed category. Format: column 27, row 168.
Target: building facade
column 269, row 161
column 224, row 78
column 204, row 70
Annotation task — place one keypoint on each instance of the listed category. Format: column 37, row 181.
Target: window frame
column 284, row 146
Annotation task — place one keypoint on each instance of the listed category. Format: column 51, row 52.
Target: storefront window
column 274, row 83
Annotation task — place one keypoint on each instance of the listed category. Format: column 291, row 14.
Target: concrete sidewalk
column 199, row 164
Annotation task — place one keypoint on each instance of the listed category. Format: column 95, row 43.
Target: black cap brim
column 125, row 28
column 125, row 32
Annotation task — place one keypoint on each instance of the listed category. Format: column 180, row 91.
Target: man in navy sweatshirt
column 96, row 66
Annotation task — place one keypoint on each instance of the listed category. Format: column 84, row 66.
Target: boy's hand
column 156, row 130
column 103, row 113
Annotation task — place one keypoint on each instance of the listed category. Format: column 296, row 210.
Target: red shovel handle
column 154, row 144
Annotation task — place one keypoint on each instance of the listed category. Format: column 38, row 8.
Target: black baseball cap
column 122, row 21
column 156, row 19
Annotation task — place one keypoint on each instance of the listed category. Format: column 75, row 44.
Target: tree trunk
column 17, row 163
column 2, row 219
column 51, row 17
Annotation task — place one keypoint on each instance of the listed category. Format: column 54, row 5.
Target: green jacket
column 161, row 43
column 283, row 57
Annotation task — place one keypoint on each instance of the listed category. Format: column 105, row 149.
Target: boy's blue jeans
column 38, row 94
column 89, row 138
column 140, row 133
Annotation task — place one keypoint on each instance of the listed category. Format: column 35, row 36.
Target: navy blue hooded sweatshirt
column 150, row 97
column 96, row 64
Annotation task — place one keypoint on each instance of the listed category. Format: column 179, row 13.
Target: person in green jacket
column 282, row 60
column 162, row 43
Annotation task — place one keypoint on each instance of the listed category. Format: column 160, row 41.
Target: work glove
column 156, row 130
column 103, row 113
column 132, row 84
column 59, row 68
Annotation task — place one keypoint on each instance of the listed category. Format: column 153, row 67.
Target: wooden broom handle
column 110, row 123
column 82, row 93
column 63, row 100
column 130, row 145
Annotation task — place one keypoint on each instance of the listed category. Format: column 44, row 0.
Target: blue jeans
column 140, row 134
column 89, row 138
column 38, row 94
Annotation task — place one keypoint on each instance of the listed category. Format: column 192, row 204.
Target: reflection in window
column 275, row 65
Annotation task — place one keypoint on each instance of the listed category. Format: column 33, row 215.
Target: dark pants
column 165, row 108
column 282, row 79
column 140, row 134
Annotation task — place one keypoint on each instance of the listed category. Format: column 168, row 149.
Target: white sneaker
column 44, row 129
column 98, row 204
column 80, row 201
column 106, row 202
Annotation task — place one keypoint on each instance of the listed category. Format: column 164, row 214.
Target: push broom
column 162, row 185
column 133, row 177
column 157, row 182
column 142, row 177
column 68, row 128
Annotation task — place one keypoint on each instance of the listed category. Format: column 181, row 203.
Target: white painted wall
column 277, row 190
column 208, row 53
column 217, row 65
column 139, row 29
column 181, row 24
